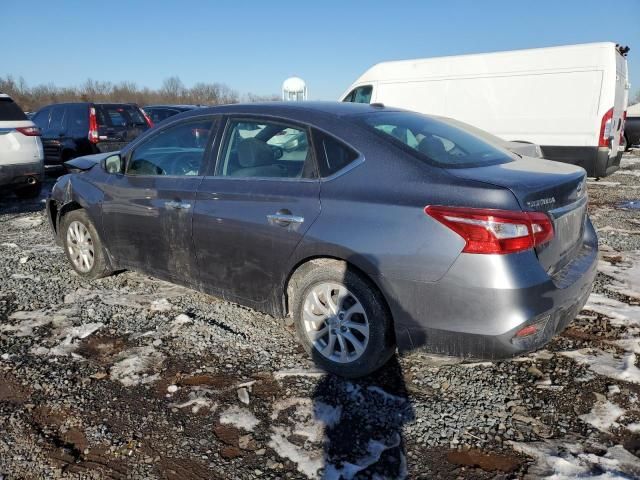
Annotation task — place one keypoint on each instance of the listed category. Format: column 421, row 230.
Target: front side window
column 360, row 95
column 177, row 150
column 57, row 122
column 435, row 141
column 265, row 150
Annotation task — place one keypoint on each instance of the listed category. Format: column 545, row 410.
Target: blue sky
column 252, row 46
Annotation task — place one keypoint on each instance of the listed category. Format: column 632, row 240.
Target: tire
column 87, row 257
column 30, row 191
column 347, row 287
column 627, row 145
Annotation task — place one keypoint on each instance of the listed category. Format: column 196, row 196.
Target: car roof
column 292, row 109
column 168, row 105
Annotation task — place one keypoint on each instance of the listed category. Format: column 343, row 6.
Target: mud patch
column 487, row 461
column 102, row 349
column 11, row 390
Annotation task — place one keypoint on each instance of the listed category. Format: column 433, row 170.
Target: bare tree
column 171, row 91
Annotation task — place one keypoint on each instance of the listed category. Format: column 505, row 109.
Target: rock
column 172, row 388
column 230, row 453
column 533, row 370
column 243, row 395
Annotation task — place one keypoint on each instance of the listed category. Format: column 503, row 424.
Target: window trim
column 215, row 123
column 214, row 172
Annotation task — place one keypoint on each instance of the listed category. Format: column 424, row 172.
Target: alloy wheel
column 80, row 245
column 335, row 322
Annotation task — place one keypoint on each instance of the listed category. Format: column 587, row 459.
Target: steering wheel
column 183, row 164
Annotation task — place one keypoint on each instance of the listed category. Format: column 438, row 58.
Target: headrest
column 254, row 153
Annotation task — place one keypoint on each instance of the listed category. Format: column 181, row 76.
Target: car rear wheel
column 83, row 246
column 342, row 321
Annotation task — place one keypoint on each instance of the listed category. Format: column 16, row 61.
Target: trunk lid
column 557, row 189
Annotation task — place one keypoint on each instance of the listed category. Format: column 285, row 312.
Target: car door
column 147, row 210
column 253, row 210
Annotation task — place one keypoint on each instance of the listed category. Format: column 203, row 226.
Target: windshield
column 433, row 140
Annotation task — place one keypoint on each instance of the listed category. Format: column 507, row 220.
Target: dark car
column 368, row 241
column 632, row 131
column 71, row 130
column 158, row 113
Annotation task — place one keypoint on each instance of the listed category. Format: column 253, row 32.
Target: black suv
column 158, row 113
column 73, row 129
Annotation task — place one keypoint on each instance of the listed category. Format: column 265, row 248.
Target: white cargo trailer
column 570, row 100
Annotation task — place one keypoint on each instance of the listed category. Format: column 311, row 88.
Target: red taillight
column 605, row 128
column 93, row 126
column 494, row 231
column 624, row 120
column 29, row 131
column 147, row 119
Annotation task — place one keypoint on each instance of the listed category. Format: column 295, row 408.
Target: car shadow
column 9, row 203
column 364, row 421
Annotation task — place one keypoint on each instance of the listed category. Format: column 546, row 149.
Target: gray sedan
column 376, row 229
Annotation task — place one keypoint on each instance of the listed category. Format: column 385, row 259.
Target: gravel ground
column 131, row 377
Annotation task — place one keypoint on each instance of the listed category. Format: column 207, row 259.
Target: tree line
column 172, row 91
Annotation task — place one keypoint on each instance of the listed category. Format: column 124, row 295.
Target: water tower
column 294, row 89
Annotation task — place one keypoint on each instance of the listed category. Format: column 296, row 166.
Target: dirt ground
column 131, row 377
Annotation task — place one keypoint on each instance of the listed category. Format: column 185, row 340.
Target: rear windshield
column 120, row 116
column 432, row 140
column 9, row 110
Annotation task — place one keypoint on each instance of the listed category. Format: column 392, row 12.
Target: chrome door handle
column 177, row 205
column 284, row 219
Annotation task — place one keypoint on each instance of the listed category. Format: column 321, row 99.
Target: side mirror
column 113, row 164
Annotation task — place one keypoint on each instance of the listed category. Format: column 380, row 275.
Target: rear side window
column 119, row 116
column 10, row 111
column 433, row 140
column 257, row 149
column 78, row 119
column 333, row 155
column 360, row 95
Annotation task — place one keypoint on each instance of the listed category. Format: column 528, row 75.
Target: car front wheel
column 342, row 321
column 83, row 246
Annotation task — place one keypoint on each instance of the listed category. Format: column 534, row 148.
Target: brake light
column 29, row 131
column 605, row 128
column 147, row 119
column 494, row 231
column 93, row 126
column 624, row 120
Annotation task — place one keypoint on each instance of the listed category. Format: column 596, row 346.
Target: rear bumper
column 18, row 175
column 475, row 310
column 597, row 161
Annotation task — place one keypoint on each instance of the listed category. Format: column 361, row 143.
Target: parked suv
column 21, row 156
column 158, row 113
column 73, row 129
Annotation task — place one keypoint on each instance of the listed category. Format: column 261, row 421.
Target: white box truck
column 570, row 100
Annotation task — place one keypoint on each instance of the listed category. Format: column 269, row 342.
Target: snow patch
column 603, row 415
column 29, row 321
column 306, row 462
column 621, row 314
column 24, row 223
column 606, row 364
column 299, row 372
column 239, row 417
column 567, row 461
column 134, row 365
